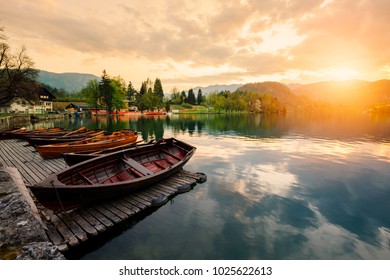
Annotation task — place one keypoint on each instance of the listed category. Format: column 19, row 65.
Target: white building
column 19, row 105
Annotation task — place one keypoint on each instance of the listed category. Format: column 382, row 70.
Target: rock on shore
column 22, row 235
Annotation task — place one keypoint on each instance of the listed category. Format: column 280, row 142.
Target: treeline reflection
column 330, row 126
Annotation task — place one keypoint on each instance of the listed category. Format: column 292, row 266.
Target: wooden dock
column 72, row 228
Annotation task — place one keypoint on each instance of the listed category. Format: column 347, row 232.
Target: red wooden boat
column 112, row 175
column 117, row 138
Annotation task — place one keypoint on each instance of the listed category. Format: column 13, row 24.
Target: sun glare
column 342, row 73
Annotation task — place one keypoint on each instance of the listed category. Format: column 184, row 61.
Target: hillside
column 217, row 88
column 275, row 89
column 68, row 81
column 353, row 92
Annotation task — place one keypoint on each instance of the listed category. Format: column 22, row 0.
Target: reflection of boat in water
column 117, row 138
column 112, row 175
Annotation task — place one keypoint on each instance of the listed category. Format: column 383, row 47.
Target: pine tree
column 140, row 97
column 199, row 98
column 106, row 91
column 183, row 97
column 159, row 92
column 191, row 97
column 131, row 93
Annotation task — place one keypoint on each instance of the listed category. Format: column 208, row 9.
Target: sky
column 204, row 42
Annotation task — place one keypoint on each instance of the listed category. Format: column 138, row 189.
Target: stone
column 22, row 235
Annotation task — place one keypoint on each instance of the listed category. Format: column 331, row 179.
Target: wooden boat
column 107, row 141
column 25, row 133
column 112, row 175
column 39, row 140
column 77, row 157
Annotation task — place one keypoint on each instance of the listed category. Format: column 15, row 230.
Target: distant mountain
column 68, row 81
column 275, row 89
column 293, row 86
column 352, row 92
column 217, row 88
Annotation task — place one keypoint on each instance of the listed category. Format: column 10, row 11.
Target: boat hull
column 108, row 176
column 56, row 150
column 48, row 140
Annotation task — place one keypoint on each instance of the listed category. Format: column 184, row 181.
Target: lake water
column 278, row 187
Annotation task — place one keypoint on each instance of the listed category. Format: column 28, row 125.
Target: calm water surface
column 292, row 187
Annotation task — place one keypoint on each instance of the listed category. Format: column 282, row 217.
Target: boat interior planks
column 67, row 230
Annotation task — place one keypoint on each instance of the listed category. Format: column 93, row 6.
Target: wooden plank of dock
column 72, row 228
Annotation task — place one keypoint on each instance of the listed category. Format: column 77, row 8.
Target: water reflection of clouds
column 293, row 194
column 287, row 191
column 330, row 241
column 292, row 229
column 269, row 178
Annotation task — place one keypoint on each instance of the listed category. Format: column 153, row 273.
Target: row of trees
column 181, row 97
column 112, row 94
column 17, row 75
column 244, row 101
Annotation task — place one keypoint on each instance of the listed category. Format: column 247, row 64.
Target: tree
column 106, row 91
column 199, row 98
column 217, row 101
column 140, row 97
column 159, row 92
column 183, row 97
column 176, row 96
column 17, row 75
column 150, row 99
column 131, row 93
column 118, row 86
column 191, row 97
column 112, row 92
column 92, row 93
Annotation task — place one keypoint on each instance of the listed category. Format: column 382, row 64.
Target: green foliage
column 150, row 96
column 167, row 106
column 112, row 92
column 183, row 97
column 244, row 102
column 191, row 97
column 176, row 96
column 92, row 93
column 140, row 97
column 118, row 86
column 131, row 93
column 186, row 106
column 200, row 98
column 159, row 92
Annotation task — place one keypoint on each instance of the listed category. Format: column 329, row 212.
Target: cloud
column 254, row 38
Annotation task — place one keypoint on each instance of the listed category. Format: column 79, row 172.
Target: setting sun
column 342, row 73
